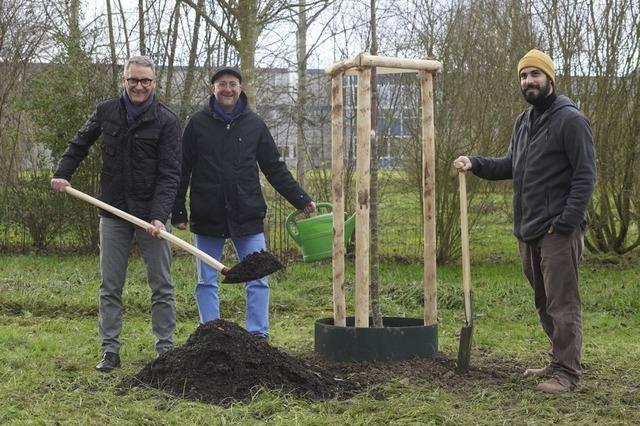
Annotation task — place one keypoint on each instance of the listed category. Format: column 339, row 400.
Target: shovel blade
column 464, row 350
column 254, row 266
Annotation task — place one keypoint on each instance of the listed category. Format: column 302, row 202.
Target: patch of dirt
column 222, row 363
column 438, row 371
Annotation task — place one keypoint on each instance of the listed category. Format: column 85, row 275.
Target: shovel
column 254, row 266
column 466, row 333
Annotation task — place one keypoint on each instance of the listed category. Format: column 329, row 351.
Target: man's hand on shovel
column 59, row 185
column 157, row 228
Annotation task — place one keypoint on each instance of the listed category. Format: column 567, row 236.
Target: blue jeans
column 257, row 310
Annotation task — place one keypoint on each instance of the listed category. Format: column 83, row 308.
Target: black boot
column 110, row 360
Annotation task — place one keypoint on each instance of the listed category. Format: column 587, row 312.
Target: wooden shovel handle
column 146, row 225
column 464, row 236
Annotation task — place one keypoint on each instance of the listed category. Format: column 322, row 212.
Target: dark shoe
column 554, row 386
column 109, row 361
column 162, row 352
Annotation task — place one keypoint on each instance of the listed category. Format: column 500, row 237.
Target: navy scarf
column 227, row 117
column 134, row 111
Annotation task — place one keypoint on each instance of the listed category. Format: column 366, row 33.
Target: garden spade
column 254, row 266
column 466, row 333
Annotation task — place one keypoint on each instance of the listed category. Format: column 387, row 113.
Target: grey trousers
column 551, row 266
column 115, row 244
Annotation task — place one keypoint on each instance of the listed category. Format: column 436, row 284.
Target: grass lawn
column 49, row 345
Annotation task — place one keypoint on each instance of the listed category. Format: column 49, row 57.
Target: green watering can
column 314, row 235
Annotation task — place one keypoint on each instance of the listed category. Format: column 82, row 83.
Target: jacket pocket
column 145, row 143
column 110, row 147
column 144, row 156
column 250, row 202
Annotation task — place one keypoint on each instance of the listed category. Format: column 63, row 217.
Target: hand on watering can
column 157, row 227
column 310, row 208
column 59, row 184
column 462, row 163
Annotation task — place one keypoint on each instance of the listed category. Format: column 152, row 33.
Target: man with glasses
column 224, row 144
column 140, row 175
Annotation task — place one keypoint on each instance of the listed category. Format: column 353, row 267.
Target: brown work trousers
column 551, row 266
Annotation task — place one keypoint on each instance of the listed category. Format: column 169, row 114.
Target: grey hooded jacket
column 552, row 164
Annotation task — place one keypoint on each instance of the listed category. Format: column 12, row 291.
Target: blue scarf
column 134, row 111
column 227, row 118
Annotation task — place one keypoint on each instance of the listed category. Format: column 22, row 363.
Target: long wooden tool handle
column 464, row 235
column 146, row 225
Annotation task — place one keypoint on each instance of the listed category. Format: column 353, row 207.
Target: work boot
column 110, row 360
column 538, row 372
column 554, row 386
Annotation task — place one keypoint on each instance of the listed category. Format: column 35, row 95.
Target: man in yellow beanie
column 551, row 161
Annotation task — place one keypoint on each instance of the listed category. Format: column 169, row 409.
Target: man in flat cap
column 225, row 145
column 551, row 161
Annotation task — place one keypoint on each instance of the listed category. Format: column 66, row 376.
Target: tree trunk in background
column 143, row 46
column 75, row 35
column 185, row 102
column 112, row 50
column 124, row 29
column 301, row 49
column 172, row 52
column 374, row 291
column 246, row 13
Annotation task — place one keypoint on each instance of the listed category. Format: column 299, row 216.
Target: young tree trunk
column 376, row 311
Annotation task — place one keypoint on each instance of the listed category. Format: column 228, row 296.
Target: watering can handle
column 290, row 221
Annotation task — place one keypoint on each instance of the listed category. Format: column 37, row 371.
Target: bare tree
column 185, row 103
column 141, row 21
column 608, row 93
column 112, row 49
column 173, row 33
column 251, row 17
column 24, row 34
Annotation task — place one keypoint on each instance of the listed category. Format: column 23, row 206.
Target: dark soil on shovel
column 222, row 363
column 254, row 266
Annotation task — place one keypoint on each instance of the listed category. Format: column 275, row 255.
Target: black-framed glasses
column 133, row 82
column 222, row 85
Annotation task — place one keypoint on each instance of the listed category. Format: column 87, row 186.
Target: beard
column 536, row 98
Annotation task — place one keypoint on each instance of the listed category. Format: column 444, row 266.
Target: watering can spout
column 314, row 234
column 350, row 222
column 349, row 227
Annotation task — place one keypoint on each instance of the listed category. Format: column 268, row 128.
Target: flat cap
column 224, row 69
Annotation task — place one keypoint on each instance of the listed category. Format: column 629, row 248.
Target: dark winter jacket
column 140, row 163
column 552, row 163
column 220, row 162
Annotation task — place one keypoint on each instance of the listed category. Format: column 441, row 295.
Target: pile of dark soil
column 254, row 266
column 222, row 363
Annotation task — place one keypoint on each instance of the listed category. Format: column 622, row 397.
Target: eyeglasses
column 222, row 85
column 133, row 82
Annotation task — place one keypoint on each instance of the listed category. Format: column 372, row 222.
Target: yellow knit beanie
column 540, row 60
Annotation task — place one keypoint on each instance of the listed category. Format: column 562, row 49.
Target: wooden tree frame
column 361, row 66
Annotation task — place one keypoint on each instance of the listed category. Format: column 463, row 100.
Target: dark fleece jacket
column 552, row 163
